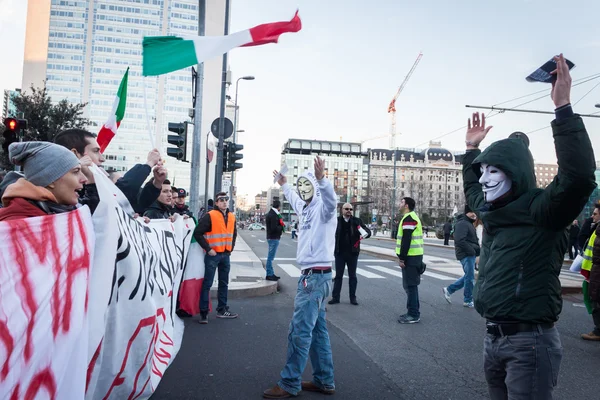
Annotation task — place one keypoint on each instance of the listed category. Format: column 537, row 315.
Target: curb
column 263, row 288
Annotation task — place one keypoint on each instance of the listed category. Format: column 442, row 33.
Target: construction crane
column 392, row 106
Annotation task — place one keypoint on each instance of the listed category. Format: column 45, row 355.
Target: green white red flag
column 109, row 129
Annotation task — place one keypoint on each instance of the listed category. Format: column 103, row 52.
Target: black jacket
column 525, row 239
column 354, row 233
column 205, row 225
column 447, row 228
column 89, row 196
column 185, row 210
column 573, row 233
column 274, row 228
column 466, row 243
column 157, row 211
column 587, row 228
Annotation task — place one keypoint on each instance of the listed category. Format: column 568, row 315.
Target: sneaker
column 334, row 301
column 469, row 304
column 407, row 319
column 591, row 336
column 226, row 314
column 203, row 319
column 447, row 295
column 271, row 278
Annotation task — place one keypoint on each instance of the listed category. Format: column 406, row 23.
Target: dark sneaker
column 272, row 278
column 226, row 314
column 203, row 319
column 407, row 319
column 353, row 302
column 334, row 301
column 311, row 387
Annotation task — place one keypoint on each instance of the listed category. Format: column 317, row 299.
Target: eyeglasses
column 348, row 209
column 222, row 198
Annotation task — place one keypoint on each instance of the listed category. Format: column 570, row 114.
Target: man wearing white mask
column 518, row 291
column 315, row 203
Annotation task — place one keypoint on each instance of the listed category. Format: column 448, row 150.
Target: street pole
column 207, row 175
column 219, row 164
column 197, row 137
column 394, row 156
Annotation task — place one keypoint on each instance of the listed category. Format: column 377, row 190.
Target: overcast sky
column 334, row 79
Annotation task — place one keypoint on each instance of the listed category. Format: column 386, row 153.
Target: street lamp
column 235, row 130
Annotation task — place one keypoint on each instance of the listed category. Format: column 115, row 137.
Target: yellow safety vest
column 586, row 265
column 220, row 238
column 416, row 241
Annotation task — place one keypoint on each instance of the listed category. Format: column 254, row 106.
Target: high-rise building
column 432, row 177
column 346, row 166
column 8, row 106
column 82, row 50
column 544, row 174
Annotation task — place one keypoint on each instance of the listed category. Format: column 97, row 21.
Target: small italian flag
column 164, row 54
column 109, row 129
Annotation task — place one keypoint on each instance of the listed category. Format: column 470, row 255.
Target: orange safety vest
column 220, row 238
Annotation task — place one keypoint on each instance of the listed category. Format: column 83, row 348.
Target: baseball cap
column 182, row 193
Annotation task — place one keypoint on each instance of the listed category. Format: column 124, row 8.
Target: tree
column 45, row 119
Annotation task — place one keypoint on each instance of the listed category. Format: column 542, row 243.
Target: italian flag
column 164, row 54
column 109, row 129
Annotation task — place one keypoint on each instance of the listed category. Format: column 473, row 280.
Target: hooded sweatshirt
column 317, row 223
column 23, row 199
column 525, row 238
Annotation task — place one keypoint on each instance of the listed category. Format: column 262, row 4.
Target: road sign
column 374, row 212
column 385, row 219
column 374, row 219
column 214, row 128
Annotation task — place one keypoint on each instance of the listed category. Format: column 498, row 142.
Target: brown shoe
column 311, row 387
column 276, row 393
column 591, row 336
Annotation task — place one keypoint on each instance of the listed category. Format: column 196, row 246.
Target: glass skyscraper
column 91, row 43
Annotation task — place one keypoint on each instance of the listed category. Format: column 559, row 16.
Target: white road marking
column 386, row 270
column 290, row 269
column 262, row 241
column 438, row 276
column 368, row 274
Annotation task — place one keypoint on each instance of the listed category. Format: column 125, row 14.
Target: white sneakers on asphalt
column 447, row 295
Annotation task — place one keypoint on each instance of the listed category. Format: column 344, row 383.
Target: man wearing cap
column 179, row 205
column 466, row 247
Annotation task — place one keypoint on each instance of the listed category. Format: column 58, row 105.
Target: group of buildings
column 365, row 178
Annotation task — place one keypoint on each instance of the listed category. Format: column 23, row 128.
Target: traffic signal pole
column 196, row 137
column 219, row 166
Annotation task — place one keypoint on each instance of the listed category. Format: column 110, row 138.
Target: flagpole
column 197, row 137
column 219, row 163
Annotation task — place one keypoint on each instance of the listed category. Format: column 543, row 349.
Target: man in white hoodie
column 315, row 203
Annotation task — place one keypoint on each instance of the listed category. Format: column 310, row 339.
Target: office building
column 432, row 177
column 544, row 174
column 82, row 50
column 8, row 106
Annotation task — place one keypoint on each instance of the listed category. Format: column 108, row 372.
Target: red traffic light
column 11, row 123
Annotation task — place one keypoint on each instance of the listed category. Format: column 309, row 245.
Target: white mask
column 494, row 183
column 306, row 190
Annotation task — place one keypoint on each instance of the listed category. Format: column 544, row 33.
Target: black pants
column 341, row 260
column 573, row 245
column 446, row 239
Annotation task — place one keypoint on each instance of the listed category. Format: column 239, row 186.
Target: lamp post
column 235, row 130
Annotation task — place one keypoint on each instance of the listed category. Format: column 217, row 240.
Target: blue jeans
column 220, row 261
column 294, row 234
column 273, row 245
column 522, row 366
column 308, row 335
column 467, row 280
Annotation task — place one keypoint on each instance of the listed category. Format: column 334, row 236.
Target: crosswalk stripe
column 368, row 274
column 290, row 269
column 438, row 276
column 385, row 270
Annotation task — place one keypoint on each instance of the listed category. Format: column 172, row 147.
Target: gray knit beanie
column 42, row 162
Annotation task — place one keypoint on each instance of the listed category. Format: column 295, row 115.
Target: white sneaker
column 469, row 304
column 447, row 295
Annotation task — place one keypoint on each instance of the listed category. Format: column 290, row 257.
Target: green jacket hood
column 514, row 158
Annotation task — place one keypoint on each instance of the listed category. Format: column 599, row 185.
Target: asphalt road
column 374, row 356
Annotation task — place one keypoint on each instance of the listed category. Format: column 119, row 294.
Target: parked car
column 256, row 227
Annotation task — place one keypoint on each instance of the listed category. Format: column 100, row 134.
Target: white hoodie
column 317, row 223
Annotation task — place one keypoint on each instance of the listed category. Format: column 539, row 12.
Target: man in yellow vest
column 216, row 233
column 409, row 248
column 590, row 269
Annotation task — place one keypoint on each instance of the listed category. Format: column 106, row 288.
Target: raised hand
column 282, row 179
column 153, row 158
column 561, row 86
column 86, row 162
column 319, row 168
column 476, row 131
column 160, row 174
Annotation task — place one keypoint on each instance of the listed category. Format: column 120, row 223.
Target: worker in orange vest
column 216, row 233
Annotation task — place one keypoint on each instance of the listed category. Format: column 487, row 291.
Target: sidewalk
column 247, row 274
column 569, row 281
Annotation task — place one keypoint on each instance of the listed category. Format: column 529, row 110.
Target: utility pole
column 393, row 212
column 196, row 137
column 219, row 166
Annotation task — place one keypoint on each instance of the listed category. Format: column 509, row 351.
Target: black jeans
column 573, row 245
column 446, row 239
column 341, row 260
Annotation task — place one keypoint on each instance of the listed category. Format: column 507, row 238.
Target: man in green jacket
column 518, row 290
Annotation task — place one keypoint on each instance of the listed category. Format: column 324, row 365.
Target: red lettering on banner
column 9, row 344
column 43, row 379
column 92, row 364
column 15, row 393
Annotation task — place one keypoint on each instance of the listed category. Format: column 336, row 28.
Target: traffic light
column 179, row 140
column 11, row 132
column 234, row 157
column 225, row 157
